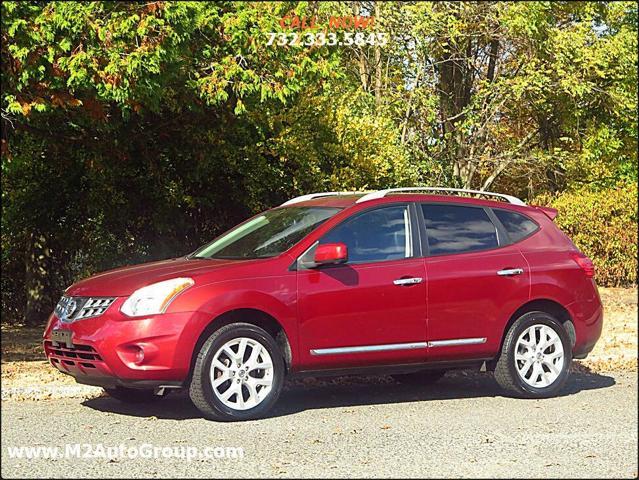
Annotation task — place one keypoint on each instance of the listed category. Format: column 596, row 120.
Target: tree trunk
column 37, row 256
column 492, row 62
column 378, row 66
column 455, row 86
column 362, row 61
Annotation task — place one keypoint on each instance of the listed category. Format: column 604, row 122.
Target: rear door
column 476, row 280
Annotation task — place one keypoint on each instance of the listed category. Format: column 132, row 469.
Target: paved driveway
column 367, row 426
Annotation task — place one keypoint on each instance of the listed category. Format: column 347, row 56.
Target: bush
column 603, row 225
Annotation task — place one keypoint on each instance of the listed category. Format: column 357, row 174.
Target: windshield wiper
column 191, row 256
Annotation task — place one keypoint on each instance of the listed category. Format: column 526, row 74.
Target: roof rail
column 310, row 196
column 383, row 193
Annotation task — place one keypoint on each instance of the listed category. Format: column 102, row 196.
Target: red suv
column 402, row 281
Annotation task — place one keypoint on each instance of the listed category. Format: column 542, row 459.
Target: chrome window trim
column 408, row 240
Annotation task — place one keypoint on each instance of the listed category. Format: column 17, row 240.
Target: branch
column 507, row 159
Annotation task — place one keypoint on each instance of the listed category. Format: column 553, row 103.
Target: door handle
column 509, row 272
column 407, row 281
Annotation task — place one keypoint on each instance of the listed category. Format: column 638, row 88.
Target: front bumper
column 115, row 350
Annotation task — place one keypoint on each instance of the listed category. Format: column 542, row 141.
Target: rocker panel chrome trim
column 457, row 341
column 368, row 348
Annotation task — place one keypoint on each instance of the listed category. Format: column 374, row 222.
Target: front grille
column 83, row 355
column 71, row 309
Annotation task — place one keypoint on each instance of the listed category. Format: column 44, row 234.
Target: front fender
column 275, row 296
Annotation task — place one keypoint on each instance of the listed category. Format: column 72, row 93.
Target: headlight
column 154, row 298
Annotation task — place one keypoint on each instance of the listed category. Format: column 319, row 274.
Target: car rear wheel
column 238, row 373
column 133, row 395
column 423, row 377
column 535, row 357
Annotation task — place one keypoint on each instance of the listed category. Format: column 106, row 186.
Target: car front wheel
column 238, row 374
column 535, row 357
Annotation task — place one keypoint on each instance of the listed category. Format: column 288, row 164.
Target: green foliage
column 135, row 131
column 521, row 90
column 145, row 55
column 603, row 225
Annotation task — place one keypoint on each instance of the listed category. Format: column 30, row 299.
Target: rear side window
column 376, row 235
column 458, row 229
column 518, row 226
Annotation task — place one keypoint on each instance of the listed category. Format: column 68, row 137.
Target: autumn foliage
column 134, row 131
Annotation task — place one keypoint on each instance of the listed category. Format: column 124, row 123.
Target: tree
column 538, row 95
column 137, row 131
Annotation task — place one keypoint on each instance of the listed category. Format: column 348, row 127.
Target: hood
column 124, row 281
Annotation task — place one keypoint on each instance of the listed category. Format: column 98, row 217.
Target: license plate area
column 62, row 337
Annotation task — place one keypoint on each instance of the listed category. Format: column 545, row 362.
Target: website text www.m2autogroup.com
column 93, row 451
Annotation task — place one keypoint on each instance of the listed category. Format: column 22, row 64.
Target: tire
column 255, row 389
column 542, row 367
column 133, row 395
column 423, row 377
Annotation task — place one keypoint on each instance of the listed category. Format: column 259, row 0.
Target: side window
column 376, row 235
column 518, row 226
column 458, row 229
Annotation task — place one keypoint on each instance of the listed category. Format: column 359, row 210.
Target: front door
column 371, row 309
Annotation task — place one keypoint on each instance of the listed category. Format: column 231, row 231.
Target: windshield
column 267, row 235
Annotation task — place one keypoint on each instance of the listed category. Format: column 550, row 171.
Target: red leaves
column 154, row 6
column 64, row 99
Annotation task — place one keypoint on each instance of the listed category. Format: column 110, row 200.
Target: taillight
column 585, row 263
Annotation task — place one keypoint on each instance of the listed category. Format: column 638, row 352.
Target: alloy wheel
column 242, row 373
column 539, row 356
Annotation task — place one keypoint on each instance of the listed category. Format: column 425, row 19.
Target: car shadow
column 308, row 394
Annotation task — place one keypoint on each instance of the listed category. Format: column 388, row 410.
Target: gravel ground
column 366, row 427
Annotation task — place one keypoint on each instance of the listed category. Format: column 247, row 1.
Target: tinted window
column 381, row 234
column 457, row 229
column 518, row 226
column 268, row 234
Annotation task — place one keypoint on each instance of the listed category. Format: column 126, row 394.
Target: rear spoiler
column 549, row 211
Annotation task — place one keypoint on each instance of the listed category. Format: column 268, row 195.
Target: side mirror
column 330, row 253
